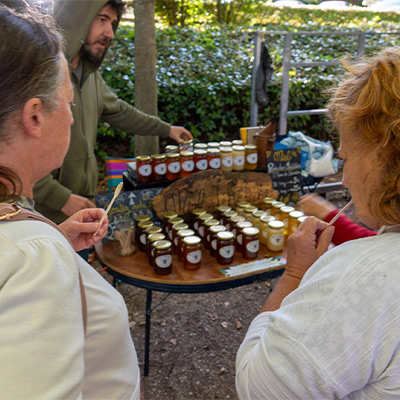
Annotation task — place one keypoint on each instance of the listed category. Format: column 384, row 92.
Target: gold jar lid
column 258, row 213
column 189, row 141
column 142, row 158
column 278, row 204
column 186, row 232
column 172, row 155
column 211, row 222
column 171, row 148
column 230, row 213
column 268, row 200
column 170, row 214
column 141, row 218
column 244, row 224
column 200, row 152
column 242, row 204
column 153, row 229
column 205, row 216
column 217, row 228
column 162, row 244
column 213, row 152
column 237, row 142
column 302, row 218
column 225, row 235
column 158, row 156
column 237, row 218
column 250, row 231
column 198, row 211
column 266, row 218
column 250, row 147
column 223, row 209
column 191, row 240
column 153, row 237
column 238, row 148
column 180, row 226
column 145, row 224
column 213, row 145
column 176, row 220
column 287, row 209
column 187, row 154
column 250, row 209
column 225, row 143
column 296, row 214
column 276, row 224
column 225, row 149
column 201, row 146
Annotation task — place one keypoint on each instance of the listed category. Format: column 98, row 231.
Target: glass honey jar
column 141, row 218
column 143, row 169
column 248, row 212
column 171, row 223
column 175, row 229
column 233, row 222
column 187, row 145
column 238, row 158
column 219, row 213
column 294, row 221
column 226, row 159
column 227, row 218
column 225, row 247
column 250, row 157
column 267, row 204
column 173, row 166
column 276, row 236
column 255, row 218
column 187, row 163
column 159, row 167
column 207, row 234
column 239, row 234
column 171, row 148
column 213, row 239
column 263, row 228
column 181, row 235
column 240, row 206
column 284, row 217
column 167, row 216
column 200, row 160
column 250, row 243
column 151, row 239
column 141, row 234
column 201, row 227
column 163, row 257
column 214, row 158
column 192, row 252
column 276, row 209
column 195, row 218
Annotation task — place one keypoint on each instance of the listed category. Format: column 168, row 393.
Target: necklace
column 385, row 228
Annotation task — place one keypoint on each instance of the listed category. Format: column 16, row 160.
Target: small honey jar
column 239, row 234
column 159, row 167
column 175, row 229
column 151, row 239
column 263, row 228
column 276, row 236
column 171, row 223
column 163, row 257
column 294, row 221
column 213, row 158
column 251, row 157
column 240, row 206
column 251, row 243
column 200, row 160
column 167, row 216
column 143, row 169
column 284, row 216
column 225, row 247
column 195, row 217
column 181, row 235
column 226, row 159
column 173, row 166
column 267, row 204
column 192, row 252
column 248, row 212
column 238, row 158
column 276, row 209
column 141, row 234
column 219, row 213
column 213, row 240
column 227, row 218
column 207, row 234
column 233, row 222
column 187, row 163
column 255, row 219
column 202, row 219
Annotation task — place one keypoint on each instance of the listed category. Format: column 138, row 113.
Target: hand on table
column 82, row 225
column 76, row 203
column 180, row 134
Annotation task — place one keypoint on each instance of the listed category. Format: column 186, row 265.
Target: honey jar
column 167, row 216
column 239, row 234
column 238, row 158
column 187, row 163
column 255, row 219
column 181, row 235
column 302, row 218
column 195, row 217
column 267, row 204
column 227, row 218
column 226, row 159
column 225, row 247
column 163, row 257
column 250, row 157
column 191, row 252
column 202, row 219
column 275, row 209
column 171, row 223
column 240, row 206
column 200, row 160
column 263, row 228
column 151, row 239
column 175, row 239
column 141, row 234
column 251, row 243
column 233, row 221
column 248, row 212
column 187, row 145
column 173, row 166
column 207, row 234
column 219, row 213
column 213, row 239
column 276, row 236
column 143, row 169
column 284, row 217
column 171, row 148
column 159, row 167
column 293, row 221
column 213, row 158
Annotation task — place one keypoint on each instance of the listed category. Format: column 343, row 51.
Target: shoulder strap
column 11, row 212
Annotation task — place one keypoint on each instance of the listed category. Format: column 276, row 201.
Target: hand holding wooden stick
column 332, row 221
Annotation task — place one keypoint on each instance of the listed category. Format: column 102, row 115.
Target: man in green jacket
column 88, row 28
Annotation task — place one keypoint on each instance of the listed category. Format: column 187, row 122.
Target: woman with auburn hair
column 64, row 329
column 330, row 329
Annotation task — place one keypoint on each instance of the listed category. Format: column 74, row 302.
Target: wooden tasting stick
column 116, row 193
column 340, row 213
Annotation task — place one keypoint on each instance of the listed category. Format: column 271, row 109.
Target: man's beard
column 98, row 55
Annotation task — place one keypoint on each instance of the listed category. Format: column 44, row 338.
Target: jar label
column 194, row 257
column 201, row 231
column 174, row 167
column 227, row 251
column 144, row 170
column 201, row 165
column 215, row 163
column 238, row 160
column 227, row 161
column 252, row 158
column 252, row 247
column 239, row 238
column 143, row 238
column 286, row 222
column 188, row 166
column 176, row 241
column 160, row 169
column 214, row 244
column 294, row 228
column 277, row 240
column 196, row 225
column 170, row 232
column 265, row 233
column 164, row 261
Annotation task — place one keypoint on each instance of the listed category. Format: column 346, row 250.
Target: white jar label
column 164, row 261
column 238, row 160
column 194, row 257
column 201, row 231
column 188, row 166
column 143, row 238
column 227, row 251
column 145, row 170
column 286, row 222
column 252, row 158
column 265, row 233
column 161, row 169
column 239, row 238
column 227, row 161
column 252, row 247
column 196, row 225
column 174, row 167
column 214, row 244
column 176, row 241
column 170, row 234
column 215, row 163
column 276, row 240
column 201, row 165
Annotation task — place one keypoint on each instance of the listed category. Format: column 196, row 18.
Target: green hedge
column 204, row 72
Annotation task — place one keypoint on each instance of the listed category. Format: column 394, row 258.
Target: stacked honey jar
column 180, row 162
column 228, row 230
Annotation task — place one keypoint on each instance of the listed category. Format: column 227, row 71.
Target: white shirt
column 43, row 352
column 336, row 336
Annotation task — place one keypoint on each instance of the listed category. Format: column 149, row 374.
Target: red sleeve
column 346, row 229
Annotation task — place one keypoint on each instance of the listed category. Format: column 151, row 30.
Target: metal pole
column 287, row 50
column 256, row 63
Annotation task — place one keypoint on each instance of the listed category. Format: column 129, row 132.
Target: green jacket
column 94, row 102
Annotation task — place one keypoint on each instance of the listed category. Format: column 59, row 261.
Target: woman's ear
column 32, row 117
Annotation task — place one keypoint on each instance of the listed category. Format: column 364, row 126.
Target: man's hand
column 180, row 134
column 76, row 203
column 82, row 225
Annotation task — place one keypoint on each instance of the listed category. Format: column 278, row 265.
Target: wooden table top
column 137, row 266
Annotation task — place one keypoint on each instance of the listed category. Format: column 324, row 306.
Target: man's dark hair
column 119, row 6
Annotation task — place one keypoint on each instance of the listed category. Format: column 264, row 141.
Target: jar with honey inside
column 159, row 167
column 213, row 158
column 167, row 216
column 225, row 247
column 187, row 164
column 202, row 219
column 251, row 157
column 238, row 158
column 294, row 221
column 173, row 166
column 284, row 217
column 248, row 212
column 263, row 227
column 163, row 257
column 214, row 230
column 143, row 169
column 200, row 160
column 207, row 233
column 267, row 204
column 151, row 239
column 175, row 229
column 240, row 206
column 255, row 219
column 226, row 159
column 141, row 234
column 250, row 243
column 194, row 221
column 276, row 236
column 276, row 209
column 181, row 235
column 171, row 223
column 239, row 234
column 192, row 252
column 219, row 213
column 227, row 218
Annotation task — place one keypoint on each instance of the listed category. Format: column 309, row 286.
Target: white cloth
column 43, row 352
column 336, row 336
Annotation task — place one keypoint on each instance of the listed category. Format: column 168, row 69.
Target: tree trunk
column 145, row 70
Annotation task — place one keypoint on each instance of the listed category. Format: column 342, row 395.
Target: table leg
column 147, row 341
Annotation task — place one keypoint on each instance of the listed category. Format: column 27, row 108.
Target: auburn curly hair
column 366, row 108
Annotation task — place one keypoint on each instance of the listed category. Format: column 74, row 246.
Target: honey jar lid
column 187, row 154
column 287, row 209
column 162, row 244
column 276, row 224
column 244, row 224
column 198, row 211
column 250, row 209
column 172, row 155
column 170, row 214
column 225, row 235
column 153, row 229
column 158, row 156
column 153, row 237
column 200, row 146
column 237, row 218
column 225, row 143
column 217, row 228
column 141, row 218
column 258, row 213
column 176, row 220
column 191, row 240
column 200, row 152
column 268, row 200
column 237, row 142
column 145, row 224
column 223, row 208
column 171, row 148
column 296, row 214
column 213, row 151
column 238, row 148
column 302, row 218
column 211, row 222
column 242, row 204
column 267, row 218
column 250, row 147
column 142, row 158
column 178, row 227
column 278, row 204
column 230, row 213
column 186, row 232
column 250, row 231
column 225, row 149
column 213, row 145
column 205, row 216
